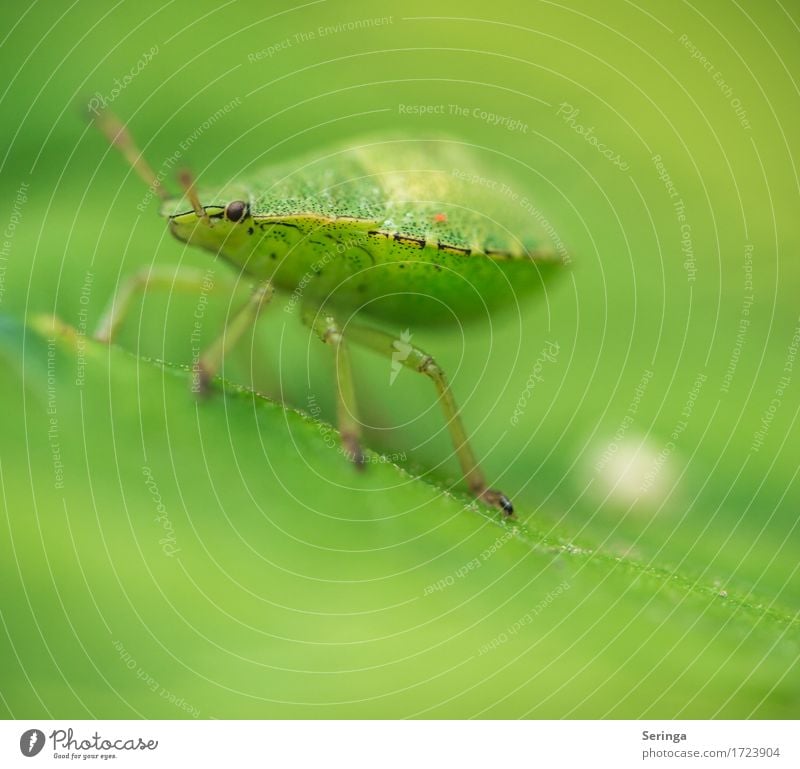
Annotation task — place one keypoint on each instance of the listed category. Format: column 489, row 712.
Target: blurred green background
column 167, row 559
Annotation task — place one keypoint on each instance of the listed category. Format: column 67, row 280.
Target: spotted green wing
column 392, row 228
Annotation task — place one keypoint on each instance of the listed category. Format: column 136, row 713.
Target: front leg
column 184, row 279
column 244, row 319
column 146, row 279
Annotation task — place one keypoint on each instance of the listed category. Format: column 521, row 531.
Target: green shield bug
column 380, row 232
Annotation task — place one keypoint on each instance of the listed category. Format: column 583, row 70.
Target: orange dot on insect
column 440, row 218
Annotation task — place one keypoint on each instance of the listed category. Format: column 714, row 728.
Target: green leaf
column 167, row 557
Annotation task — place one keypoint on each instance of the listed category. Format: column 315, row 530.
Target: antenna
column 118, row 136
column 186, row 180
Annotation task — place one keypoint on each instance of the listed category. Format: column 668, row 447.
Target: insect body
column 382, row 232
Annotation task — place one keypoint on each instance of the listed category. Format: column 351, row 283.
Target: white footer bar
column 389, row 744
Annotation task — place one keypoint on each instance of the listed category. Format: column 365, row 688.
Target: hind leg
column 412, row 357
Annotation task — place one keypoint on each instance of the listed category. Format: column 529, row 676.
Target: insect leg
column 163, row 278
column 327, row 329
column 212, row 357
column 420, row 361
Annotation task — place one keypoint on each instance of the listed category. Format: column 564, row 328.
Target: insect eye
column 236, row 211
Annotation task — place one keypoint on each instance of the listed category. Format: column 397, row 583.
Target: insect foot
column 201, row 380
column 496, row 499
column 351, row 448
